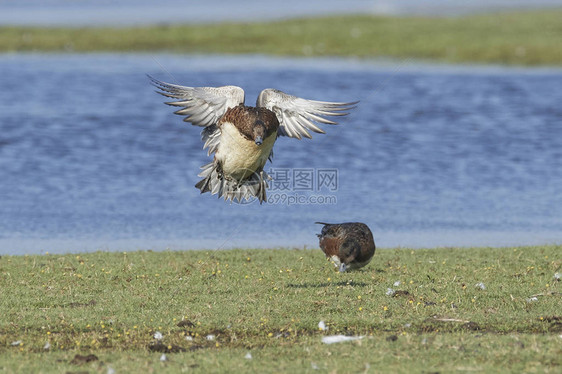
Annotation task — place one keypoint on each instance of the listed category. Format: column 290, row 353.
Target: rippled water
column 91, row 159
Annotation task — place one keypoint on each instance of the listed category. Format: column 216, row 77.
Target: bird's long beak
column 259, row 140
column 343, row 267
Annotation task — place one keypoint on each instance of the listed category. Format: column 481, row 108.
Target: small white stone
column 158, row 335
column 339, row 338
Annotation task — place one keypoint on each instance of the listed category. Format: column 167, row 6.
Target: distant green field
column 523, row 38
column 433, row 310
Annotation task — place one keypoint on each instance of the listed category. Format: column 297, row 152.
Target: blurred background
column 138, row 12
column 456, row 141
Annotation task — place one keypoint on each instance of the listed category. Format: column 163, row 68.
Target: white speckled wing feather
column 202, row 106
column 297, row 116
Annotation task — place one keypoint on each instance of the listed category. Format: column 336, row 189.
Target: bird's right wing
column 297, row 116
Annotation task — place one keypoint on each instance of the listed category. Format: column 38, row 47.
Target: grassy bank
column 477, row 309
column 526, row 38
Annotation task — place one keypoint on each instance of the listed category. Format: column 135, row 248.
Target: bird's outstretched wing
column 297, row 116
column 202, row 106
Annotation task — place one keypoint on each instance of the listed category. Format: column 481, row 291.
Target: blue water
column 142, row 12
column 90, row 158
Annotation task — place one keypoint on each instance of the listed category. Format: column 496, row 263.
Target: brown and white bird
column 242, row 137
column 349, row 245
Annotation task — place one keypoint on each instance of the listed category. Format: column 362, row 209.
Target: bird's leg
column 219, row 170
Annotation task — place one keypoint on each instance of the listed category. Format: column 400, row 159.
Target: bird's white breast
column 239, row 156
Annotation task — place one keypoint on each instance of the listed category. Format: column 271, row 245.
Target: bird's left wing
column 202, row 106
column 297, row 116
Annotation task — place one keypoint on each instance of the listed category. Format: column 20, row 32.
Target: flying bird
column 349, row 245
column 240, row 137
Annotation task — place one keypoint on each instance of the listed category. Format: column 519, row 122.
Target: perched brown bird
column 349, row 245
column 242, row 137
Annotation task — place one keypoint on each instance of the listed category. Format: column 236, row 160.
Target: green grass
column 522, row 38
column 269, row 303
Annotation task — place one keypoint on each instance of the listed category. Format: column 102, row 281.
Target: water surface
column 91, row 159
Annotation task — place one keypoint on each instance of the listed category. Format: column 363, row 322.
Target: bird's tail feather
column 230, row 189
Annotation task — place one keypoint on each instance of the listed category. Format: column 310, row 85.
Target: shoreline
column 531, row 39
column 246, row 61
column 384, row 242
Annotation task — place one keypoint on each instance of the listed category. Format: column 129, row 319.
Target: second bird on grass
column 349, row 245
column 242, row 137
